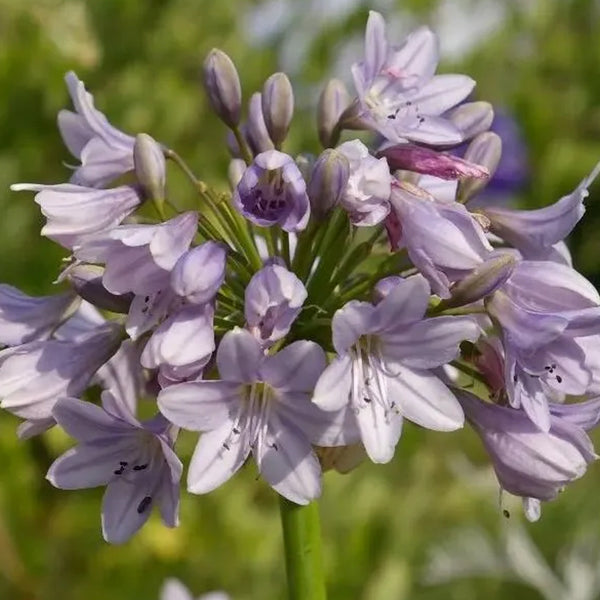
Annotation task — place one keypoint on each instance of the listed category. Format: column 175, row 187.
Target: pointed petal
column 296, row 368
column 376, row 46
column 406, row 302
column 219, row 454
column 239, row 356
column 350, row 322
column 286, row 460
column 423, row 399
column 429, row 343
column 332, row 390
column 200, row 405
column 87, row 466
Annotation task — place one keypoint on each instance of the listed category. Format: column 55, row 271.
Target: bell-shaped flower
column 442, row 239
column 529, row 462
column 535, row 232
column 546, row 310
column 73, row 211
column 399, row 95
column 273, row 299
column 173, row 589
column 261, row 405
column 26, row 318
column 34, row 375
column 272, row 191
column 104, row 151
column 383, row 370
column 134, row 460
column 367, row 193
column 139, row 258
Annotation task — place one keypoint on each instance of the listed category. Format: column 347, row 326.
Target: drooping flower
column 26, row 318
column 546, row 310
column 134, row 460
column 34, row 375
column 139, row 258
column 367, row 193
column 104, row 151
column 528, row 462
column 273, row 299
column 74, row 211
column 399, row 94
column 442, row 239
column 261, row 405
column 383, row 368
column 272, row 191
column 173, row 589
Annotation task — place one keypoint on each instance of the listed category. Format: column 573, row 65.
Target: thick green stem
column 302, row 541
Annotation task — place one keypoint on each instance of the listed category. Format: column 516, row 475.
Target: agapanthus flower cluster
column 306, row 315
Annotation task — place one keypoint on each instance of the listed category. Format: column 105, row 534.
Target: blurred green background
column 409, row 529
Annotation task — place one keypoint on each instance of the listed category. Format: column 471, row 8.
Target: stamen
column 144, row 504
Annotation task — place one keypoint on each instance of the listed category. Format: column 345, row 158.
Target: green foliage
column 142, row 62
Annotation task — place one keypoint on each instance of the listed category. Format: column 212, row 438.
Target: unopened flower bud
column 87, row 281
column 258, row 136
column 410, row 157
column 484, row 150
column 472, row 118
column 278, row 106
column 235, row 171
column 333, row 101
column 222, row 84
column 150, row 168
column 328, row 182
column 482, row 281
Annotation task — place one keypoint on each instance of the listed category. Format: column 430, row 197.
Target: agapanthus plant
column 307, row 314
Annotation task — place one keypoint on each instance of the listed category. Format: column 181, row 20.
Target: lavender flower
column 442, row 239
column 26, row 318
column 273, row 300
column 529, row 462
column 34, row 375
column 139, row 258
column 222, row 84
column 328, row 182
column 367, row 193
column 256, row 129
column 548, row 313
column 150, row 167
column 383, row 369
column 134, row 460
column 334, row 99
column 74, row 212
column 399, row 95
column 261, row 405
column 104, row 152
column 278, row 106
column 273, row 192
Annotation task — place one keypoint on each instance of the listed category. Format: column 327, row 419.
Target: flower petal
column 239, row 356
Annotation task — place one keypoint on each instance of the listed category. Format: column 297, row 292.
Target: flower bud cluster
column 306, row 316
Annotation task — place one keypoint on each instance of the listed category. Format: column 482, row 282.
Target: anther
column 140, row 467
column 144, row 504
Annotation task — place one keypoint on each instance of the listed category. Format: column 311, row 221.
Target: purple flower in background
column 442, row 239
column 34, row 375
column 528, row 462
column 139, row 258
column 367, row 193
column 273, row 192
column 104, row 151
column 274, row 297
column 261, row 405
column 536, row 232
column 383, row 369
column 74, row 211
column 134, row 460
column 26, row 318
column 173, row 589
column 399, row 94
column 546, row 310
